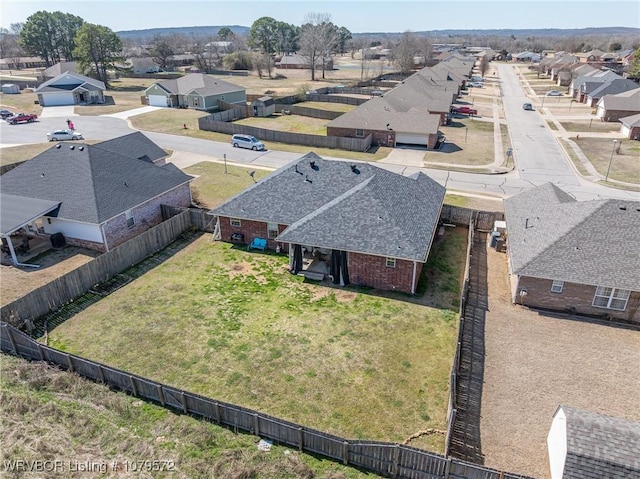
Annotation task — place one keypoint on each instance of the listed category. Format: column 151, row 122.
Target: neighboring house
column 582, row 86
column 576, row 257
column 107, row 193
column 21, row 62
column 59, row 69
column 70, row 89
column 613, row 107
column 584, row 444
column 631, row 126
column 10, row 88
column 263, row 106
column 613, row 87
column 142, row 65
column 299, row 62
column 195, row 90
column 358, row 223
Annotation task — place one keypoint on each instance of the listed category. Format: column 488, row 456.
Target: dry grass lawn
column 625, row 162
column 535, row 362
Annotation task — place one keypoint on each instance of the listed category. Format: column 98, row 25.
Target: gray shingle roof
column 625, row 101
column 94, row 184
column 68, row 81
column 134, row 145
column 373, row 211
column 600, row 446
column 552, row 236
column 203, row 84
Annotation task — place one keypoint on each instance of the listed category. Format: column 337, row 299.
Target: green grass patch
column 49, row 414
column 288, row 123
column 552, row 125
column 590, row 125
column 237, row 326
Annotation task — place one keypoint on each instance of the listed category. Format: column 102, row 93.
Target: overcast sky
column 358, row 16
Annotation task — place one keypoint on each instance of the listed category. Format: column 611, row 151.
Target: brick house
column 107, row 193
column 355, row 223
column 576, row 257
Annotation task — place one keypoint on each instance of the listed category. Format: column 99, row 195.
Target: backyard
column 237, row 326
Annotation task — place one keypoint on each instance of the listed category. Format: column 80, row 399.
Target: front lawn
column 237, row 326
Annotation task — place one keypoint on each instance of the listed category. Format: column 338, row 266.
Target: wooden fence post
column 256, row 424
column 300, row 438
column 100, row 374
column 396, row 460
column 216, row 409
column 183, row 399
column 70, row 362
column 40, row 351
column 160, row 393
column 345, row 453
column 447, row 468
column 134, row 389
column 11, row 340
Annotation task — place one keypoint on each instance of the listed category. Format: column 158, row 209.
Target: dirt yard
column 535, row 362
column 16, row 282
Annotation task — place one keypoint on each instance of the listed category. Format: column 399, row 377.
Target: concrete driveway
column 58, row 111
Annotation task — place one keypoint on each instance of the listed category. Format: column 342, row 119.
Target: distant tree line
column 58, row 36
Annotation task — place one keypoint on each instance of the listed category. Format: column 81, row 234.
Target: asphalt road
column 538, row 155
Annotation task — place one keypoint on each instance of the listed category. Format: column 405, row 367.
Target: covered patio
column 318, row 263
column 18, row 230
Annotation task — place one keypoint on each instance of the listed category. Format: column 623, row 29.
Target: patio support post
column 413, row 280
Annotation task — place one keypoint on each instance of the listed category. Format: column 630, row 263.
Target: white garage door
column 412, row 139
column 58, row 99
column 157, row 100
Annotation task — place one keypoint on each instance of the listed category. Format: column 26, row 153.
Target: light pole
column 615, row 142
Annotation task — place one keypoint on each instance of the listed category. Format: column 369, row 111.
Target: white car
column 476, row 84
column 64, row 135
column 553, row 93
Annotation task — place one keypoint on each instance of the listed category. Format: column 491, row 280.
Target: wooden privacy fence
column 347, row 100
column 452, row 409
column 208, row 123
column 480, row 220
column 60, row 291
column 310, row 112
column 385, row 459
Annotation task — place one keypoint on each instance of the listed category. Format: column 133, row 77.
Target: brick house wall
column 382, row 138
column 146, row 215
column 250, row 229
column 573, row 298
column 368, row 270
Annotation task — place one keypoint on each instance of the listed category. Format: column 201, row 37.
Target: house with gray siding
column 107, row 192
column 578, row 257
column 355, row 223
column 195, row 90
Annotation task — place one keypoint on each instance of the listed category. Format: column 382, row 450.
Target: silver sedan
column 64, row 135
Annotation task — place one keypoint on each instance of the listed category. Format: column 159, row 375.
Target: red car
column 20, row 117
column 463, row 110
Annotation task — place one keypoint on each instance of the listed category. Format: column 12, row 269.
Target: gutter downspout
column 14, row 258
column 413, row 280
column 104, row 238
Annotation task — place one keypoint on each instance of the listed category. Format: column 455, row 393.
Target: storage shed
column 10, row 88
column 264, row 106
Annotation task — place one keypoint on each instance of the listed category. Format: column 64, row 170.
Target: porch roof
column 19, row 211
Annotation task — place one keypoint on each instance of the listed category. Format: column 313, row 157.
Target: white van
column 247, row 141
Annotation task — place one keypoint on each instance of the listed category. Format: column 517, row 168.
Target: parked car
column 6, row 114
column 21, row 117
column 553, row 93
column 247, row 141
column 476, row 84
column 527, row 106
column 464, row 110
column 59, row 135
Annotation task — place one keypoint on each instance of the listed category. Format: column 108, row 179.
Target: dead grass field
column 288, row 123
column 535, row 362
column 625, row 162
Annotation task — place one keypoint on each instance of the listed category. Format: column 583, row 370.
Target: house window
column 235, row 222
column 129, row 217
column 556, row 286
column 359, row 132
column 390, row 262
column 611, row 298
column 272, row 230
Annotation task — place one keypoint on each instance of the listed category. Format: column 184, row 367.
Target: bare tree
column 404, row 52
column 318, row 39
column 484, row 65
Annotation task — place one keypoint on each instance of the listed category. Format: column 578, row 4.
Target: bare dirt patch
column 16, row 282
column 535, row 362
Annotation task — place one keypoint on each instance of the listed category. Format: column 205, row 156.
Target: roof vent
column 313, row 166
column 72, row 147
column 355, row 169
column 81, row 148
column 296, row 170
column 125, row 184
column 623, row 208
column 58, row 146
column 306, row 179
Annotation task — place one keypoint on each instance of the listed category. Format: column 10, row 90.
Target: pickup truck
column 464, row 110
column 21, row 117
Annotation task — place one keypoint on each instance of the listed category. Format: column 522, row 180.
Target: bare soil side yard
column 534, row 362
